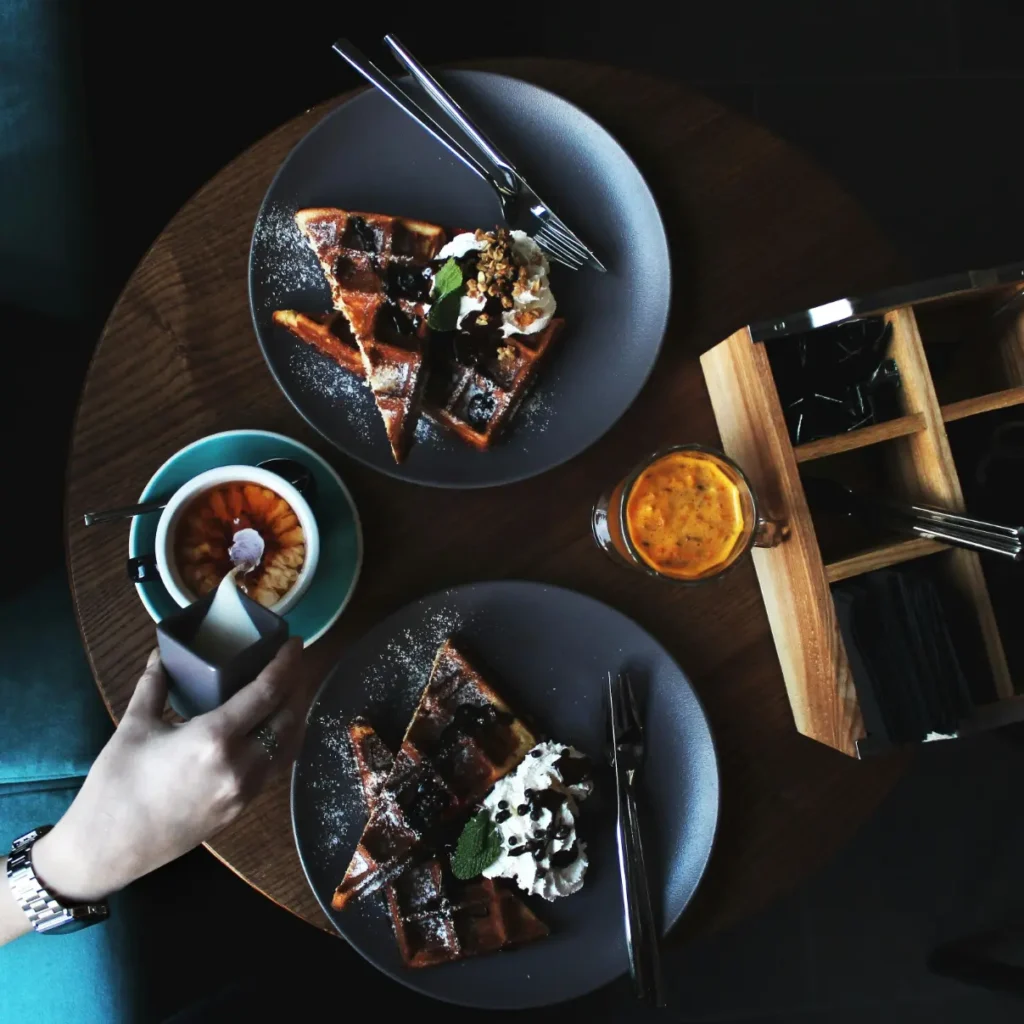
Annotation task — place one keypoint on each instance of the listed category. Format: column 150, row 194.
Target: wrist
column 13, row 921
column 60, row 865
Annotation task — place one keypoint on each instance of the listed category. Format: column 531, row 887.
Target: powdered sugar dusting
column 389, row 690
column 283, row 259
column 337, row 793
column 536, row 411
column 347, row 391
column 389, row 378
column 402, row 669
column 427, row 430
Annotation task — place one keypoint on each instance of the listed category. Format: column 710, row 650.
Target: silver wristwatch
column 47, row 913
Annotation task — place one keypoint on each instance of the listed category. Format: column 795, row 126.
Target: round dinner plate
column 341, row 535
column 547, row 651
column 368, row 155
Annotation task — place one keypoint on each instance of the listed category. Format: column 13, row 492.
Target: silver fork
column 521, row 207
column 626, row 753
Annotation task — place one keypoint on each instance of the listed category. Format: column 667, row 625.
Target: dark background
column 913, row 106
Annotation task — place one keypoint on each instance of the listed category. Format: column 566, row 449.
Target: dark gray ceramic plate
column 368, row 155
column 547, row 651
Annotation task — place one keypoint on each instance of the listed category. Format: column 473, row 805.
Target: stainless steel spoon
column 298, row 475
column 917, row 520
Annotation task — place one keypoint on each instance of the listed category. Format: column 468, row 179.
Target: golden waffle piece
column 330, row 334
column 379, row 271
column 436, row 918
column 374, row 759
column 462, row 738
column 473, row 395
column 478, row 383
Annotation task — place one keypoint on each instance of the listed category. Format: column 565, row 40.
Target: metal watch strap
column 45, row 912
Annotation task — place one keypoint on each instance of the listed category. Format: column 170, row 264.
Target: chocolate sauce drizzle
column 573, row 771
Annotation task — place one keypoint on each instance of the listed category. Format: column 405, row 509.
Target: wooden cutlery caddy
column 906, row 457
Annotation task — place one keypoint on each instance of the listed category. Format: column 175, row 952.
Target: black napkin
column 876, row 724
column 903, row 654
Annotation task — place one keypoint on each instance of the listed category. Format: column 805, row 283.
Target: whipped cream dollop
column 534, row 810
column 461, row 245
column 533, row 303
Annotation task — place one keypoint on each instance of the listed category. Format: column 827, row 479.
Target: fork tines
column 556, row 248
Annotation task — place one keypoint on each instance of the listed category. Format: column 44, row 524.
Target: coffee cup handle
column 142, row 569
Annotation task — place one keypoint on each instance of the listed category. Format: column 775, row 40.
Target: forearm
column 156, row 790
column 13, row 922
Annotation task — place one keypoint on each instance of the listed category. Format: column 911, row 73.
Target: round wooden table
column 755, row 230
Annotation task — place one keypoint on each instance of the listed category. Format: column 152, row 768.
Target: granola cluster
column 495, row 271
column 500, row 276
column 506, row 356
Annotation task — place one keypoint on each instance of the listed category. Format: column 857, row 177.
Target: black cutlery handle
column 111, row 515
column 406, row 103
column 631, row 924
column 446, row 102
column 142, row 569
column 646, row 941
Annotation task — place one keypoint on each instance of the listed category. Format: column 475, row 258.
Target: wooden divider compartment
column 985, row 450
column 975, row 349
column 914, row 453
column 872, row 469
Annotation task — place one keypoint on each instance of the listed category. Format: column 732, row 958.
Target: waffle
column 438, row 919
column 462, row 738
column 478, row 381
column 378, row 268
column 373, row 759
column 330, row 334
column 457, row 376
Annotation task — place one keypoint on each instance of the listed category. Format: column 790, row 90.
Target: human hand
column 157, row 790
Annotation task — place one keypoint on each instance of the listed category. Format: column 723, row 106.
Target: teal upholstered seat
column 52, row 721
column 83, row 978
column 43, row 215
column 52, row 725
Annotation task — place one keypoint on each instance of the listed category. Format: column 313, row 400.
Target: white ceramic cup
column 171, row 514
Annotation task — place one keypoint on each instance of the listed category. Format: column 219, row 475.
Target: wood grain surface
column 982, row 403
column 755, row 230
column 925, row 462
column 796, row 592
column 877, row 432
column 881, row 557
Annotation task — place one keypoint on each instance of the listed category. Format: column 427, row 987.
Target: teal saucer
column 341, row 535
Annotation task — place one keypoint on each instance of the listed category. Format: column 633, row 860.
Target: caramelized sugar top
column 206, row 530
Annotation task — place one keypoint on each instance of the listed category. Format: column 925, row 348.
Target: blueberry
column 480, row 409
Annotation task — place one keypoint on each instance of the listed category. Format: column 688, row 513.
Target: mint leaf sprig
column 479, row 847
column 448, row 279
column 444, row 297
